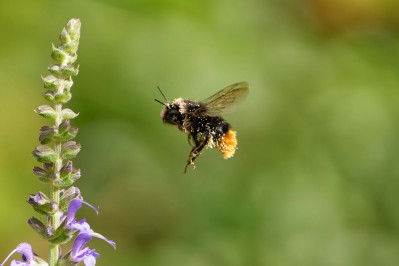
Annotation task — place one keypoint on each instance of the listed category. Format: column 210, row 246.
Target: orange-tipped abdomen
column 228, row 144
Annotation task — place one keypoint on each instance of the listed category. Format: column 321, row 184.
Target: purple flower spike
column 27, row 255
column 79, row 253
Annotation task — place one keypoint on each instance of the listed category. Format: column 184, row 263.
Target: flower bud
column 42, row 204
column 59, row 55
column 46, row 135
column 68, row 82
column 71, row 47
column 46, row 111
column 66, row 170
column 61, row 234
column 63, row 97
column 66, row 132
column 71, row 133
column 49, row 167
column 76, row 174
column 44, row 154
column 51, row 82
column 72, row 58
column 42, row 175
column 49, row 95
column 70, row 70
column 39, row 172
column 67, row 196
column 73, row 28
column 38, row 227
column 64, row 36
column 55, row 69
column 70, row 149
column 70, row 191
column 68, row 113
column 64, row 126
column 68, row 175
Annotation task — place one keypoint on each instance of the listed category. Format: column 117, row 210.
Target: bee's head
column 170, row 113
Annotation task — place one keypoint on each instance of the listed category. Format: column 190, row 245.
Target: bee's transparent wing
column 227, row 100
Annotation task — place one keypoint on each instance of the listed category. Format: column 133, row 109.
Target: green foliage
column 314, row 180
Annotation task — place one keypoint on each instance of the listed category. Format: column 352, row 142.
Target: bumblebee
column 202, row 120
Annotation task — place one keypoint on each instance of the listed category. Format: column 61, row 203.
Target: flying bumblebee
column 202, row 120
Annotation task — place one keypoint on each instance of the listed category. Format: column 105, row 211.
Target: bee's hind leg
column 190, row 140
column 195, row 152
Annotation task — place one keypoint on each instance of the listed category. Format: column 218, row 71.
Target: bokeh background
column 315, row 178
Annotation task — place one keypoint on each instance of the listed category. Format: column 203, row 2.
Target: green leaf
column 70, row 149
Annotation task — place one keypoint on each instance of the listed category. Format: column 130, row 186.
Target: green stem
column 55, row 190
column 54, row 221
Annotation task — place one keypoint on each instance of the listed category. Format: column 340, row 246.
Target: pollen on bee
column 228, row 144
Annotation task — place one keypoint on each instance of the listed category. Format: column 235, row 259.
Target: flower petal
column 112, row 243
column 90, row 259
column 74, row 206
column 79, row 243
column 26, row 250
column 91, row 206
column 79, row 253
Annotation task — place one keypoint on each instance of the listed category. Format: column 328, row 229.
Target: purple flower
column 79, row 253
column 85, row 234
column 85, row 229
column 41, row 203
column 74, row 206
column 28, row 257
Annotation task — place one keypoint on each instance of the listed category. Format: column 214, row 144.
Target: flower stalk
column 55, row 152
column 66, row 55
column 54, row 188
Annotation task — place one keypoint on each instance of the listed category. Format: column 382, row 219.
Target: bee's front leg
column 195, row 152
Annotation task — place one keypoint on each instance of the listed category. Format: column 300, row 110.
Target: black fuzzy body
column 202, row 126
column 191, row 117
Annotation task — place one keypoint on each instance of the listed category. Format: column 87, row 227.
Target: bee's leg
column 196, row 151
column 190, row 137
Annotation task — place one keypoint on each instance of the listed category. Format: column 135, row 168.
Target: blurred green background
column 315, row 178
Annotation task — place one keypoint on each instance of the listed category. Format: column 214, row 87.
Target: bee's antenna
column 159, row 101
column 166, row 99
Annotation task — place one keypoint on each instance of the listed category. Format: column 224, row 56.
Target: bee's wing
column 227, row 100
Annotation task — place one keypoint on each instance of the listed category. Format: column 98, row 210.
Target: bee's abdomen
column 228, row 144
